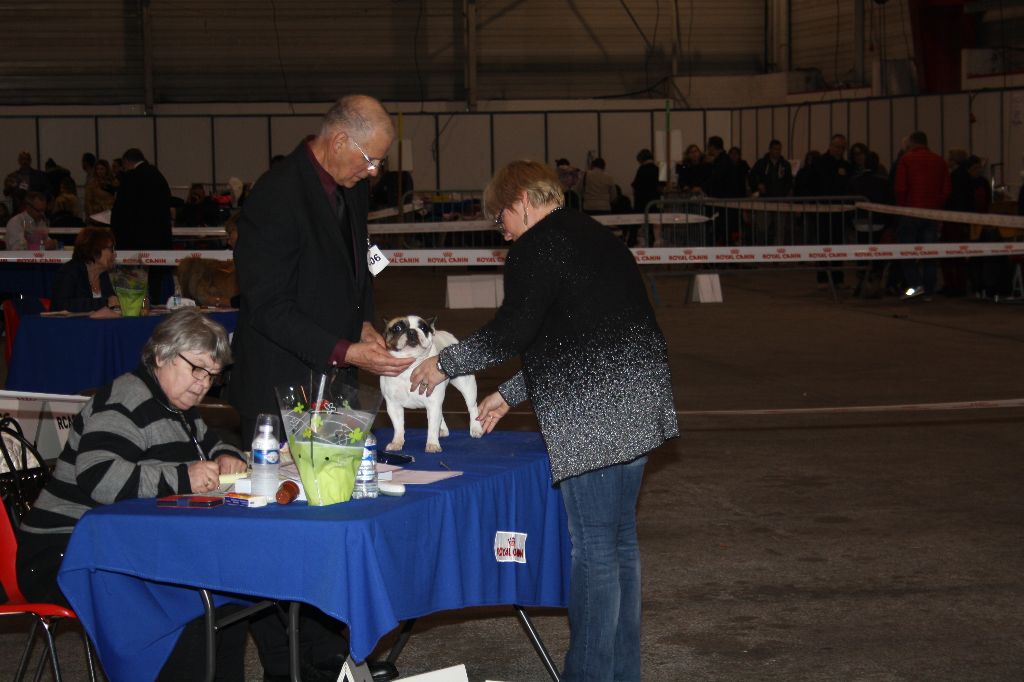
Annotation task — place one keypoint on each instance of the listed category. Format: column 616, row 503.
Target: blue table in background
column 29, row 279
column 132, row 569
column 71, row 354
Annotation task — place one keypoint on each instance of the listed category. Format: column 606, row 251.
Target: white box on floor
column 456, row 673
column 474, row 291
column 706, row 289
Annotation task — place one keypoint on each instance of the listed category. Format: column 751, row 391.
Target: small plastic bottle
column 366, row 477
column 265, row 459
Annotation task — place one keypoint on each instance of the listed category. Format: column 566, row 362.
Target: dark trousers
column 919, row 231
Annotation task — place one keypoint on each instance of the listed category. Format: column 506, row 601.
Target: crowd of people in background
column 129, row 191
column 35, row 200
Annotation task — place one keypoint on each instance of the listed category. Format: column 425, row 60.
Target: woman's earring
column 525, row 216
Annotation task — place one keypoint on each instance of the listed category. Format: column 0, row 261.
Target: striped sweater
column 127, row 442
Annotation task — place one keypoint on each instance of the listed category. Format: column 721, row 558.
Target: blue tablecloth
column 71, row 354
column 131, row 568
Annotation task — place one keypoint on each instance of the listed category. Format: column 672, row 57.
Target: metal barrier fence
column 700, row 221
column 458, row 214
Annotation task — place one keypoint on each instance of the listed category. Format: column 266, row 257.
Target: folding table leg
column 403, row 639
column 210, row 629
column 88, row 656
column 538, row 645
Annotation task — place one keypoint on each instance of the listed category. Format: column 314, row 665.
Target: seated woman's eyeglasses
column 497, row 221
column 202, row 374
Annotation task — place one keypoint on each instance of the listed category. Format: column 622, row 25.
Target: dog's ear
column 385, row 323
column 432, row 323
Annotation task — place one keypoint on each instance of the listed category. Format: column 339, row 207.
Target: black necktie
column 343, row 217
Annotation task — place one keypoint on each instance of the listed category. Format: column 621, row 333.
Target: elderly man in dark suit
column 306, row 290
column 141, row 216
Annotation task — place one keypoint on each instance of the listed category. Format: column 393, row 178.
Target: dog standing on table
column 413, row 337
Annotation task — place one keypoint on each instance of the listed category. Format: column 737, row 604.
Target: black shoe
column 382, row 671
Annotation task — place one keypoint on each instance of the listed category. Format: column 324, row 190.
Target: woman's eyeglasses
column 202, row 374
column 497, row 221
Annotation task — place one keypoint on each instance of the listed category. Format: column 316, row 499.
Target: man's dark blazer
column 141, row 216
column 303, row 287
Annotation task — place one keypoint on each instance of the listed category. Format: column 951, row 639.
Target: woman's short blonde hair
column 539, row 181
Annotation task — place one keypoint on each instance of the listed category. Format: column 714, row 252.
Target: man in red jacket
column 922, row 181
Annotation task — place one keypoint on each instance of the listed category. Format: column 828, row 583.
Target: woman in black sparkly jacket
column 595, row 366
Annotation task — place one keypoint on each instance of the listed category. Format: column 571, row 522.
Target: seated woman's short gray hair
column 187, row 330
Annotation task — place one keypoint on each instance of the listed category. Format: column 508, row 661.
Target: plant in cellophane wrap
column 327, row 423
column 130, row 287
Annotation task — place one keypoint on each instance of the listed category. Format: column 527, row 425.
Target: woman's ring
column 424, row 384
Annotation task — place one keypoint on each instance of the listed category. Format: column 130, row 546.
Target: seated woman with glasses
column 83, row 283
column 142, row 436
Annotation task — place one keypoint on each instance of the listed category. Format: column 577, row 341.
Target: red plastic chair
column 12, row 316
column 47, row 615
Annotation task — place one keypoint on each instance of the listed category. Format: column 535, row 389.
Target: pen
column 442, row 463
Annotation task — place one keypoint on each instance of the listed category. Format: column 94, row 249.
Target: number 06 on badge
column 376, row 261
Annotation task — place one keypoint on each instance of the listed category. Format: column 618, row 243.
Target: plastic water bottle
column 265, row 459
column 366, row 477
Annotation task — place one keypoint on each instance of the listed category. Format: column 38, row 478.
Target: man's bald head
column 358, row 115
column 355, row 136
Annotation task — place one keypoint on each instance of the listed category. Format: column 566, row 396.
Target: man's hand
column 229, row 464
column 373, row 357
column 371, row 335
column 491, row 409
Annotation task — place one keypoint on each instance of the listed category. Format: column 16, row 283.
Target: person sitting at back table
column 83, row 283
column 99, row 190
column 67, row 210
column 140, row 437
column 29, row 231
column 598, row 189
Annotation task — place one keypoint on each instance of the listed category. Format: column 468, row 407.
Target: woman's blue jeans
column 604, row 589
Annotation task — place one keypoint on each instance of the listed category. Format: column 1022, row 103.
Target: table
column 71, row 354
column 131, row 569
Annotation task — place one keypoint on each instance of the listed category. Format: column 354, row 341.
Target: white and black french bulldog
column 413, row 337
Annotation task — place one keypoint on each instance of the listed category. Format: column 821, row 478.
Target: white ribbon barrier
column 654, row 256
column 773, row 206
column 989, row 219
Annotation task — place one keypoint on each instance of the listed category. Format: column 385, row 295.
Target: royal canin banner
column 659, row 256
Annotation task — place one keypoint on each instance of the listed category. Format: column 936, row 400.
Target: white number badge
column 375, row 260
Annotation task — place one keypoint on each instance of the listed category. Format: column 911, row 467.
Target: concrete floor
column 875, row 546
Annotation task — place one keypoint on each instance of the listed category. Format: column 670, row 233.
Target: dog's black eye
column 424, row 328
column 398, row 327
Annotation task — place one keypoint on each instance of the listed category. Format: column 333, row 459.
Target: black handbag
column 26, row 473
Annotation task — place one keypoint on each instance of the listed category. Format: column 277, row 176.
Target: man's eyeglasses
column 202, row 374
column 371, row 164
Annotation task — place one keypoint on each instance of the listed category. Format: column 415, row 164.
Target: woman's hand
column 204, row 476
column 490, row 410
column 113, row 302
column 426, row 377
column 229, row 464
column 104, row 314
